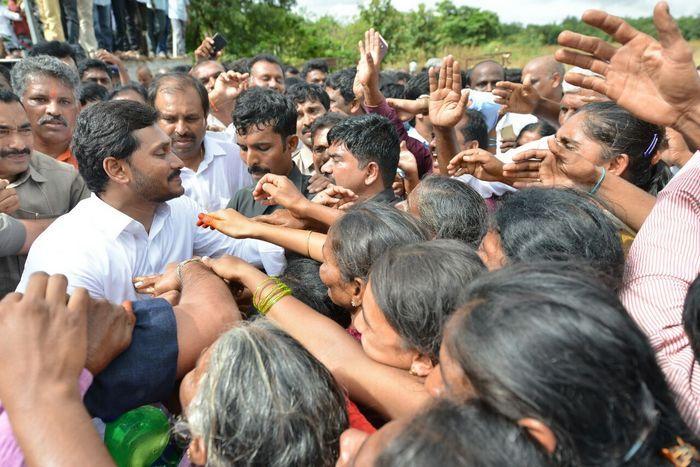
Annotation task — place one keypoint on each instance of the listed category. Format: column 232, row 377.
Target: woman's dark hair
column 134, row 87
column 257, row 108
column 620, row 132
column 559, row 224
column 302, row 276
column 366, row 231
column 419, row 286
column 469, row 434
column 541, row 127
column 178, row 82
column 265, row 400
column 549, row 341
column 691, row 316
column 452, row 209
column 106, row 129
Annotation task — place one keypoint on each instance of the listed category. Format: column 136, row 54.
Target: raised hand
column 109, row 58
column 228, row 86
column 655, row 80
column 229, row 222
column 205, row 51
column 335, row 197
column 479, row 163
column 447, row 98
column 277, row 189
column 367, row 76
column 110, row 328
column 43, row 339
column 517, row 98
column 555, row 167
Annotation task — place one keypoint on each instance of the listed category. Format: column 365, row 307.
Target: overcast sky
column 522, row 11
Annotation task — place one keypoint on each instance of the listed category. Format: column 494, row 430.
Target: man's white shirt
column 220, row 174
column 102, row 249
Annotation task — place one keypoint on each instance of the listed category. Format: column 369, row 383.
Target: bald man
column 485, row 75
column 546, row 76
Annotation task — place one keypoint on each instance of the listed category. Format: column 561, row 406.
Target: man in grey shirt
column 34, row 190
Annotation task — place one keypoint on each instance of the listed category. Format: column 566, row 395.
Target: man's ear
column 292, row 143
column 556, row 80
column 619, row 164
column 197, row 452
column 421, row 365
column 473, row 144
column 356, row 107
column 372, row 173
column 540, row 432
column 117, row 170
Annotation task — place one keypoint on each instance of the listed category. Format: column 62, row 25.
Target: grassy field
column 515, row 56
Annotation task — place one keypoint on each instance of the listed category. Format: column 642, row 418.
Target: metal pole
column 34, row 30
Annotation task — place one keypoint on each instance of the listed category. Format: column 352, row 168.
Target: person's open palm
column 368, row 66
column 447, row 99
column 655, row 80
column 515, row 97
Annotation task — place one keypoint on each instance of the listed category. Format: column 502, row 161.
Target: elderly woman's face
column 379, row 340
column 339, row 291
column 571, row 138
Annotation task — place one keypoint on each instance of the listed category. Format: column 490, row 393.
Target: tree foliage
column 255, row 26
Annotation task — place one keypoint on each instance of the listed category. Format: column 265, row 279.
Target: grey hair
column 43, row 65
column 452, row 209
column 265, row 400
column 366, row 231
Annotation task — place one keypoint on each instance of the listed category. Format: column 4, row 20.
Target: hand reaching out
column 479, row 163
column 655, row 80
column 229, row 222
column 448, row 100
column 228, row 87
column 335, row 197
column 517, row 98
column 277, row 189
column 206, row 50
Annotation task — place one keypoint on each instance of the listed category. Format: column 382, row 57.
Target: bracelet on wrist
column 268, row 293
column 178, row 270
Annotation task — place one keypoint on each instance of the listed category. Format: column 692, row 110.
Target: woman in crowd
column 257, row 397
column 550, row 348
column 533, row 132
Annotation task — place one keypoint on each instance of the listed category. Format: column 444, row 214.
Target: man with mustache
column 312, row 102
column 49, row 92
column 34, row 190
column 136, row 221
column 213, row 171
column 266, row 127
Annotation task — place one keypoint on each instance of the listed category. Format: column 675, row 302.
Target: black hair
column 178, row 82
column 342, row 81
column 89, row 92
column 307, row 92
column 314, row 64
column 91, row 63
column 418, row 86
column 559, row 224
column 239, row 66
column 366, row 231
column 291, row 81
column 452, row 209
column 135, row 87
column 419, row 312
column 181, row 69
column 620, row 132
column 265, row 58
column 402, row 76
column 691, row 316
column 370, row 138
column 106, row 130
column 56, row 49
column 394, row 91
column 476, row 129
column 260, row 107
column 549, row 341
column 8, row 97
column 541, row 127
column 467, row 434
column 327, row 120
column 302, row 276
column 291, row 69
column 5, row 72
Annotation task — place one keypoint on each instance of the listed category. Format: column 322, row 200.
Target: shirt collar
column 113, row 222
column 31, row 172
column 387, row 196
column 212, row 149
column 295, row 176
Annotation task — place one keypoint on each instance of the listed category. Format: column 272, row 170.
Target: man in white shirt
column 136, row 221
column 214, row 170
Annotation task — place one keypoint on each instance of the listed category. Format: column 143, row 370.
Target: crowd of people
column 355, row 267
column 132, row 29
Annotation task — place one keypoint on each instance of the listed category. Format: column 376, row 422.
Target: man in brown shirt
column 34, row 189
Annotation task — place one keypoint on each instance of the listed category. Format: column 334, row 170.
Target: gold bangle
column 279, row 291
column 308, row 246
column 261, row 287
column 274, row 299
